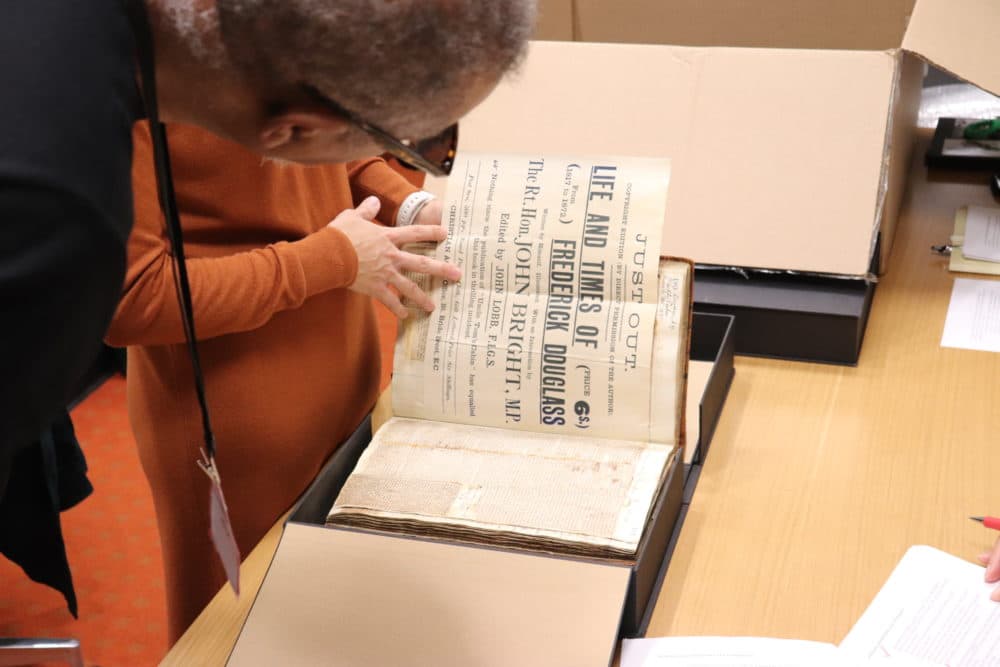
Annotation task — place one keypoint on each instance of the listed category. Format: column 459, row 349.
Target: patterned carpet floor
column 113, row 549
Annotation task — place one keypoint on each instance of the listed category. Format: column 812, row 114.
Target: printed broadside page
column 559, row 259
column 539, row 404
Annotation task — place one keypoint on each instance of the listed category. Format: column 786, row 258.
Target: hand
column 381, row 262
column 991, row 559
column 430, row 214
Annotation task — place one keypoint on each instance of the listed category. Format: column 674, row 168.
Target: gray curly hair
column 401, row 63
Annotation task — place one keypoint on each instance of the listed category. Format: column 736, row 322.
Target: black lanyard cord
column 168, row 204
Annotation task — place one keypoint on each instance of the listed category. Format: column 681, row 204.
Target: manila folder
column 344, row 598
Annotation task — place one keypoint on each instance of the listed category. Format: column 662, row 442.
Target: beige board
column 341, row 598
column 777, row 155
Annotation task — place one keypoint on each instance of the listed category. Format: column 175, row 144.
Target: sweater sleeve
column 373, row 176
column 230, row 294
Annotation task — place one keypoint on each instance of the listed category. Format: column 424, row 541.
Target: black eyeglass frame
column 407, row 152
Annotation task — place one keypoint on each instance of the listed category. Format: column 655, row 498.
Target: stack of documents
column 976, row 241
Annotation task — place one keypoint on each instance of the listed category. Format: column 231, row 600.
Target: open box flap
column 778, row 154
column 339, row 597
column 959, row 36
column 555, row 20
column 803, row 24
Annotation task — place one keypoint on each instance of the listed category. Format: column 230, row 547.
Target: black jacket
column 46, row 478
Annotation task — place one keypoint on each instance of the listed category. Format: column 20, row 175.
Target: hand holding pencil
column 991, row 559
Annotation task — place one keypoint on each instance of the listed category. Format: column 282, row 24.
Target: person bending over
column 300, row 80
column 283, row 262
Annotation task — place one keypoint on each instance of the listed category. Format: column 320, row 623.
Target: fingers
column 416, row 234
column 993, row 564
column 409, row 261
column 412, row 291
column 369, row 208
column 381, row 262
column 984, row 557
column 995, row 595
column 391, row 301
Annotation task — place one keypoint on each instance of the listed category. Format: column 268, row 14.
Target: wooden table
column 819, row 477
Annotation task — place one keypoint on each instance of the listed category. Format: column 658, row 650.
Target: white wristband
column 411, row 206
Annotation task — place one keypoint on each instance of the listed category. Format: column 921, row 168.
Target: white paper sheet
column 728, row 652
column 973, row 321
column 982, row 234
column 934, row 608
column 751, row 652
column 933, row 611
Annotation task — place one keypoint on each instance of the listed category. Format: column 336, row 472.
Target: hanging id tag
column 221, row 530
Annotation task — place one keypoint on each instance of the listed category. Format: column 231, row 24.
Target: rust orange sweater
column 291, row 357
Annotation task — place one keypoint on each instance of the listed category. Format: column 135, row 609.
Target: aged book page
column 548, row 492
column 668, row 395
column 551, row 328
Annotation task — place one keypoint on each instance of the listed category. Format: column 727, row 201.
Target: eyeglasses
column 435, row 155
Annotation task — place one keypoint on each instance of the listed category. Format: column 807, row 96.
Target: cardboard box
column 786, row 161
column 555, row 20
column 789, row 24
column 346, row 597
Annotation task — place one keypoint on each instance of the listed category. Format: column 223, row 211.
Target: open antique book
column 541, row 404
